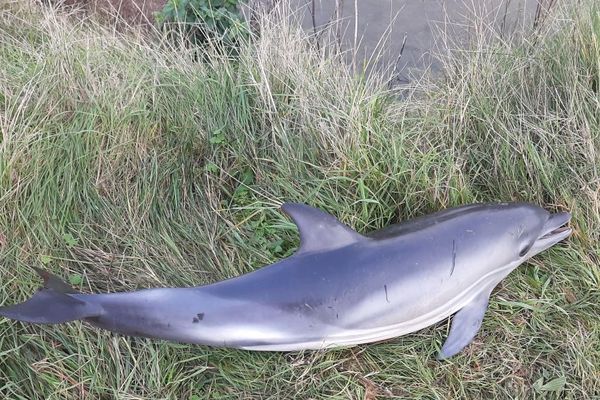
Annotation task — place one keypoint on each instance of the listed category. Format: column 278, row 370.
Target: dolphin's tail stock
column 56, row 302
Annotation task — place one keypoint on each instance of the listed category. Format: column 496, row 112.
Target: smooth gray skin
column 338, row 289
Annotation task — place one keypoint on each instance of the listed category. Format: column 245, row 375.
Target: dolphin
column 340, row 288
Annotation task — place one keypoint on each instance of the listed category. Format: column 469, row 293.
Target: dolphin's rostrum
column 340, row 288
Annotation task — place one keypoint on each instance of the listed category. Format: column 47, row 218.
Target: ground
column 131, row 11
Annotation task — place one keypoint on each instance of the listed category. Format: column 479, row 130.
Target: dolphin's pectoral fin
column 319, row 230
column 465, row 325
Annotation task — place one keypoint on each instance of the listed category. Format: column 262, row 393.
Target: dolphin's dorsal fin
column 319, row 231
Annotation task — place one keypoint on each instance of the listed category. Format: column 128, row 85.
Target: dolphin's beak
column 553, row 232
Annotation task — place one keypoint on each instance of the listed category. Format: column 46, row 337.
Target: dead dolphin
column 340, row 288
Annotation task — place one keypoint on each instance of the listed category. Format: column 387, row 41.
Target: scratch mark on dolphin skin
column 333, row 309
column 453, row 257
column 386, row 294
column 199, row 317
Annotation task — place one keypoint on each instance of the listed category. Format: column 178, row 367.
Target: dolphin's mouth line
column 555, row 232
column 555, row 229
column 556, row 222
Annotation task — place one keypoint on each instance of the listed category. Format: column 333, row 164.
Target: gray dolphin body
column 340, row 288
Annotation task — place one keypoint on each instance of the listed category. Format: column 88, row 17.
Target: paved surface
column 419, row 21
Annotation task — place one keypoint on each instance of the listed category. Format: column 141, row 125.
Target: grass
column 124, row 165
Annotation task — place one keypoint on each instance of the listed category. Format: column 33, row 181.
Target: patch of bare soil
column 135, row 12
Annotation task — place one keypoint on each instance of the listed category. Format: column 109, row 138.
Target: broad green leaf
column 44, row 259
column 70, row 240
column 75, row 279
column 555, row 385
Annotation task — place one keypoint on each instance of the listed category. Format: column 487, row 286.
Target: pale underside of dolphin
column 339, row 289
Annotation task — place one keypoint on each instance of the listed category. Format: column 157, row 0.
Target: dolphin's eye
column 525, row 250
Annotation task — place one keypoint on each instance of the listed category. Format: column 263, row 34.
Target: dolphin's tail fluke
column 55, row 303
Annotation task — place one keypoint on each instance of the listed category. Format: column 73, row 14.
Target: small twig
column 339, row 4
column 541, row 12
column 503, row 26
column 354, row 48
column 314, row 24
column 394, row 71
